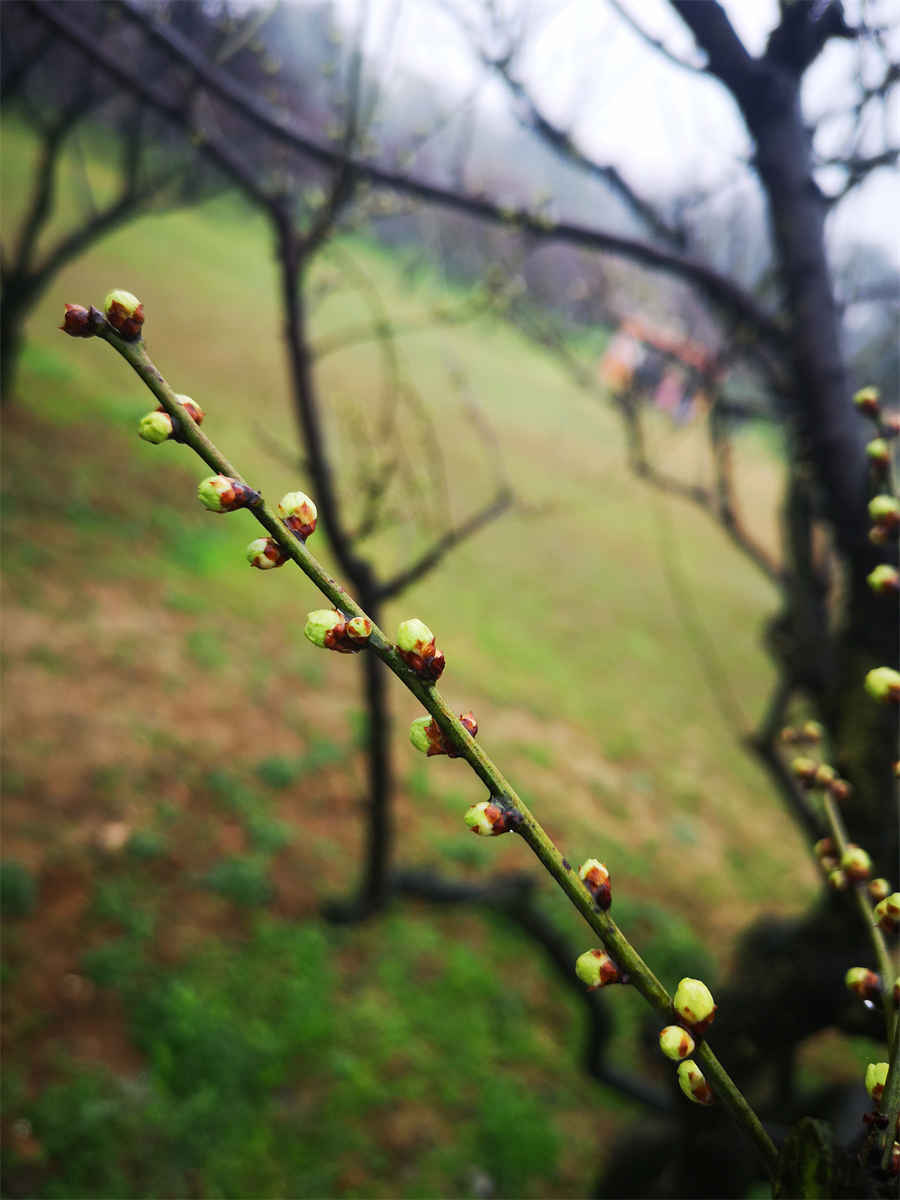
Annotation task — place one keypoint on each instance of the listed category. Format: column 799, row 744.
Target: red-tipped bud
column 125, row 313
column 883, row 684
column 693, row 1083
column 884, row 513
column 490, row 819
column 825, row 775
column 264, row 553
column 694, row 1005
column 595, row 877
column 222, row 494
column 879, row 889
column 884, row 578
column 676, row 1043
column 856, row 864
column 359, row 629
column 865, row 983
column 867, row 401
column 840, row 789
column 191, row 407
column 876, row 1078
column 328, row 628
column 804, row 771
column 81, row 322
column 887, row 913
column 596, row 969
column 824, row 847
column 837, row 880
column 416, row 646
column 425, row 734
column 879, row 453
column 468, row 722
column 298, row 513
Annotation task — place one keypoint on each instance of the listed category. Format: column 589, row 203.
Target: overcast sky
column 663, row 126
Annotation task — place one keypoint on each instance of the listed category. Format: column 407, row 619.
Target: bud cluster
column 331, row 630
column 158, row 426
column 428, row 737
column 887, row 913
column 809, row 733
column 416, row 646
column 490, row 818
column 815, row 776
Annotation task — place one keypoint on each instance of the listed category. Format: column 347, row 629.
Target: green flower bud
column 883, row 684
column 879, row 452
column 825, row 775
column 298, row 513
column 676, row 1043
column 804, row 770
column 359, row 629
column 323, row 625
column 693, row 1083
column 422, row 736
column 884, row 578
column 155, row 427
column 812, row 731
column 414, row 636
column 884, row 511
column 879, row 889
column 865, row 983
column 221, row 494
column 488, row 819
column 856, row 864
column 595, row 877
column 887, row 913
column 876, row 1078
column 837, row 880
column 866, row 400
column 694, row 1004
column 265, row 553
column 125, row 313
column 596, row 969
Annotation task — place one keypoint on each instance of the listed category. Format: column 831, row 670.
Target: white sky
column 625, row 103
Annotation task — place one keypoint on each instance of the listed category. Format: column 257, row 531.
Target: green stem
column 614, row 941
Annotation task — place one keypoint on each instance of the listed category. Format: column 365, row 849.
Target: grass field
column 183, row 775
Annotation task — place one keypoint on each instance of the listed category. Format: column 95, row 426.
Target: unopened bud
column 866, row 400
column 156, row 427
column 693, row 1083
column 824, row 776
column 876, row 1077
column 359, row 629
column 883, row 684
column 676, row 1043
column 840, row 789
column 879, row 452
column 879, row 888
column 490, row 819
column 804, row 770
column 856, row 864
column 884, row 512
column 222, row 494
column 416, row 646
column 865, row 983
column 694, row 1004
column 812, row 731
column 828, row 863
column 264, row 553
column 837, row 880
column 824, row 847
column 81, row 322
column 596, row 969
column 125, row 313
column 884, row 578
column 595, row 877
column 887, row 913
column 191, row 407
column 327, row 628
column 298, row 513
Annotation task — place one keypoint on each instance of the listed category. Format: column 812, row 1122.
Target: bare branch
column 660, row 47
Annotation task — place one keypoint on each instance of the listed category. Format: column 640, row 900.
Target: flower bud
column 191, row 407
column 825, row 775
column 865, row 983
column 125, row 313
column 884, row 578
column 804, row 771
column 876, row 1077
column 883, row 684
column 884, row 511
column 80, row 321
column 837, row 880
column 694, row 1005
column 426, row 736
column 468, row 722
column 693, row 1083
column 595, row 877
column 812, row 731
column 359, row 629
column 221, row 494
column 298, row 513
column 676, row 1043
column 596, row 969
column 490, row 819
column 265, row 553
column 879, row 452
column 866, row 400
column 156, row 427
column 824, row 847
column 416, row 646
column 840, row 789
column 887, row 913
column 828, row 863
column 879, row 889
column 856, row 864
column 324, row 627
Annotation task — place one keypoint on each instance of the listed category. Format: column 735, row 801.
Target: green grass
column 279, row 1057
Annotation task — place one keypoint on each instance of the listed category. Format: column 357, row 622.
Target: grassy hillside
column 183, row 775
